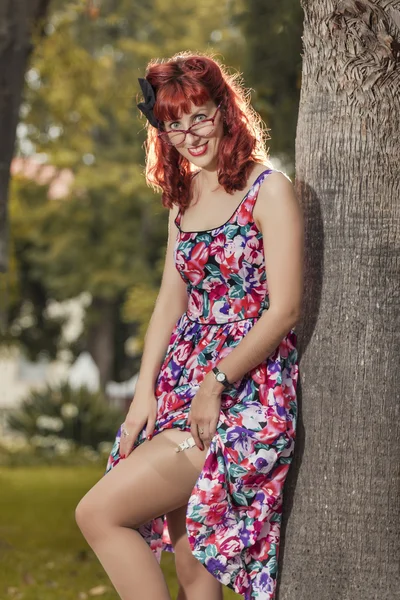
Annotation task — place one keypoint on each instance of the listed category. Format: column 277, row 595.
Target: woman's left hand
column 204, row 411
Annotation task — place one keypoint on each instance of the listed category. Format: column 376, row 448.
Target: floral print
column 234, row 512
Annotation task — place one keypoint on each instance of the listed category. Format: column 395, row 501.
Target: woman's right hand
column 143, row 409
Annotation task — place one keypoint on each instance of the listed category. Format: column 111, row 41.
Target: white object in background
column 122, row 390
column 84, row 372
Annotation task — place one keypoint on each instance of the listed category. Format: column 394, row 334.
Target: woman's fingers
column 151, row 421
column 127, row 441
column 205, row 435
column 203, row 431
column 209, row 429
column 139, row 416
column 213, row 426
column 195, row 434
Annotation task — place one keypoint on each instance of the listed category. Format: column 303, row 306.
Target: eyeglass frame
column 186, row 131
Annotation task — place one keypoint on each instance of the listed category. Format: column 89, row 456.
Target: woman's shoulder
column 259, row 168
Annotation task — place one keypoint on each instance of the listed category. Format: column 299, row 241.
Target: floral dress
column 234, row 512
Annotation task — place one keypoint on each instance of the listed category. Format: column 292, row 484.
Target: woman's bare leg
column 151, row 481
column 195, row 582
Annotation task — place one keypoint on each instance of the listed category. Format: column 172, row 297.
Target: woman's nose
column 192, row 140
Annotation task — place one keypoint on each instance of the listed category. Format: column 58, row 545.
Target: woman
column 204, row 450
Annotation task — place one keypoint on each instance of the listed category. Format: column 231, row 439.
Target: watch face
column 220, row 377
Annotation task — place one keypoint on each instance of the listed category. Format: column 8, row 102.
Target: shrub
column 77, row 416
column 16, row 451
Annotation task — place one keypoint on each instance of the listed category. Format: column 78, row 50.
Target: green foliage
column 139, row 306
column 272, row 64
column 23, row 287
column 109, row 233
column 62, row 412
column 83, row 115
column 50, row 451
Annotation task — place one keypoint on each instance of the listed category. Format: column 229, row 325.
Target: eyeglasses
column 204, row 128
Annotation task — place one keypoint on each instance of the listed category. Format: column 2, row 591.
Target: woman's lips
column 199, row 150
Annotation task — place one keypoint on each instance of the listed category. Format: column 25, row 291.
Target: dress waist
column 210, row 321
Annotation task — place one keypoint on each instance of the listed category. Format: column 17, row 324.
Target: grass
column 43, row 554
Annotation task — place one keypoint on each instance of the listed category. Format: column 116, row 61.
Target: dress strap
column 249, row 199
column 178, row 219
column 252, row 194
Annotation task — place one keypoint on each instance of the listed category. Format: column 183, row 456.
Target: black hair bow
column 149, row 101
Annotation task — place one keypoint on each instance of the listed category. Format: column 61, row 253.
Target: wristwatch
column 221, row 377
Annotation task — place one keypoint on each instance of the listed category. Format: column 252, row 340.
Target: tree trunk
column 340, row 535
column 17, row 18
column 101, row 336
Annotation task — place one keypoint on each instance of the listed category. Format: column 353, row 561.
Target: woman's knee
column 90, row 518
column 188, row 568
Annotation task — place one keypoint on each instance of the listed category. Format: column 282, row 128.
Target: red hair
column 196, row 78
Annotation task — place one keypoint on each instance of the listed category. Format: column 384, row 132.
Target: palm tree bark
column 17, row 19
column 340, row 536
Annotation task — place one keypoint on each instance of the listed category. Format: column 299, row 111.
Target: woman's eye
column 178, row 124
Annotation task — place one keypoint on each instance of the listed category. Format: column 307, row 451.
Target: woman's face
column 201, row 151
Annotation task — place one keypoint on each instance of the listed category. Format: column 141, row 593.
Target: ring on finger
column 124, row 432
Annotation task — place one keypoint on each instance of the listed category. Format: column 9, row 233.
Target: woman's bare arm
column 282, row 224
column 171, row 303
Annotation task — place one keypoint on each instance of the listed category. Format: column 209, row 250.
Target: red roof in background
column 59, row 180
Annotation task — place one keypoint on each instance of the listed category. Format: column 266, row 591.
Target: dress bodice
column 224, row 267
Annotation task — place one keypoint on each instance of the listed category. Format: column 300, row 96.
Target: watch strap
column 224, row 383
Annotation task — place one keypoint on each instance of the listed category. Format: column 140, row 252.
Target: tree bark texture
column 17, row 18
column 341, row 527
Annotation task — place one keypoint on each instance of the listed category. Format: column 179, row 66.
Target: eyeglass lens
column 201, row 129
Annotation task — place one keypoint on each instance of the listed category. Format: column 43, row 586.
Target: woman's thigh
column 151, row 481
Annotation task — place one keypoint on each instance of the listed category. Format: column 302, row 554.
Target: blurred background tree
column 272, row 65
column 18, row 25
